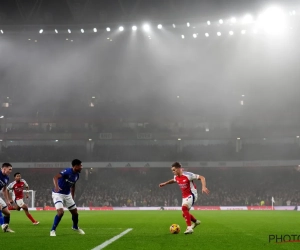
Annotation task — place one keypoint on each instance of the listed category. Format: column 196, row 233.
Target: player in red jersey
column 185, row 181
column 17, row 187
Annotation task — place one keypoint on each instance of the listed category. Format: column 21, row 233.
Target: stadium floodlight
column 90, row 139
column 95, row 30
column 206, row 34
column 41, row 31
column 108, row 29
column 121, row 28
column 221, row 21
column 159, row 26
column 273, row 20
column 188, row 24
column 179, row 139
column 298, row 136
column 82, row 31
column 2, row 116
column 233, row 20
column 208, row 22
column 238, row 138
column 56, row 31
column 231, row 33
column 195, row 35
column 69, row 31
column 219, row 34
column 174, row 26
column 182, row 36
column 247, row 19
column 1, row 31
column 146, row 27
column 243, row 32
column 134, row 28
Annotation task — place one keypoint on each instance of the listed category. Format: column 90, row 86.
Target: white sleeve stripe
column 25, row 183
column 191, row 176
column 10, row 186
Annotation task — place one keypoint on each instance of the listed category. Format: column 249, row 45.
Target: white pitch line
column 106, row 243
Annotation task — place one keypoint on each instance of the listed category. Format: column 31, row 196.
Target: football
column 174, row 229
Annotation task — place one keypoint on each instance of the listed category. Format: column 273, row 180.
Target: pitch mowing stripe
column 106, row 243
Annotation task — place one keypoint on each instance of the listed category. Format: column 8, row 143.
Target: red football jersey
column 186, row 184
column 17, row 188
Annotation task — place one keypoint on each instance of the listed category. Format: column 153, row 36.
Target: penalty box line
column 106, row 243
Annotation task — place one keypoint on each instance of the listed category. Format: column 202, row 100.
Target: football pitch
column 150, row 230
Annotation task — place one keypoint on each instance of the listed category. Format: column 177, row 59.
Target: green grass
column 219, row 230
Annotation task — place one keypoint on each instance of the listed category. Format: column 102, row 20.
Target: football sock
column 1, row 218
column 56, row 222
column 187, row 215
column 193, row 219
column 6, row 219
column 75, row 220
column 30, row 218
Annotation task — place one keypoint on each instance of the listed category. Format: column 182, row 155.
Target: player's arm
column 27, row 189
column 6, row 195
column 204, row 188
column 55, row 182
column 73, row 191
column 167, row 182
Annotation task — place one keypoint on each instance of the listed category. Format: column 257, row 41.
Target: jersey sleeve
column 10, row 186
column 192, row 176
column 64, row 173
column 25, row 183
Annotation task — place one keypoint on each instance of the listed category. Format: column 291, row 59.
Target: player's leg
column 2, row 205
column 193, row 219
column 58, row 202
column 5, row 217
column 186, row 205
column 6, row 220
column 75, row 220
column 20, row 203
column 1, row 216
column 73, row 210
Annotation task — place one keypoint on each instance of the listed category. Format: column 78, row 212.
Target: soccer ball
column 174, row 229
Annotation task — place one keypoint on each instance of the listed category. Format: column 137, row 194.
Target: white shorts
column 20, row 202
column 61, row 200
column 189, row 201
column 2, row 203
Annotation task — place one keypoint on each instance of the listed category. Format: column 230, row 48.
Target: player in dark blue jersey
column 4, row 221
column 63, row 194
